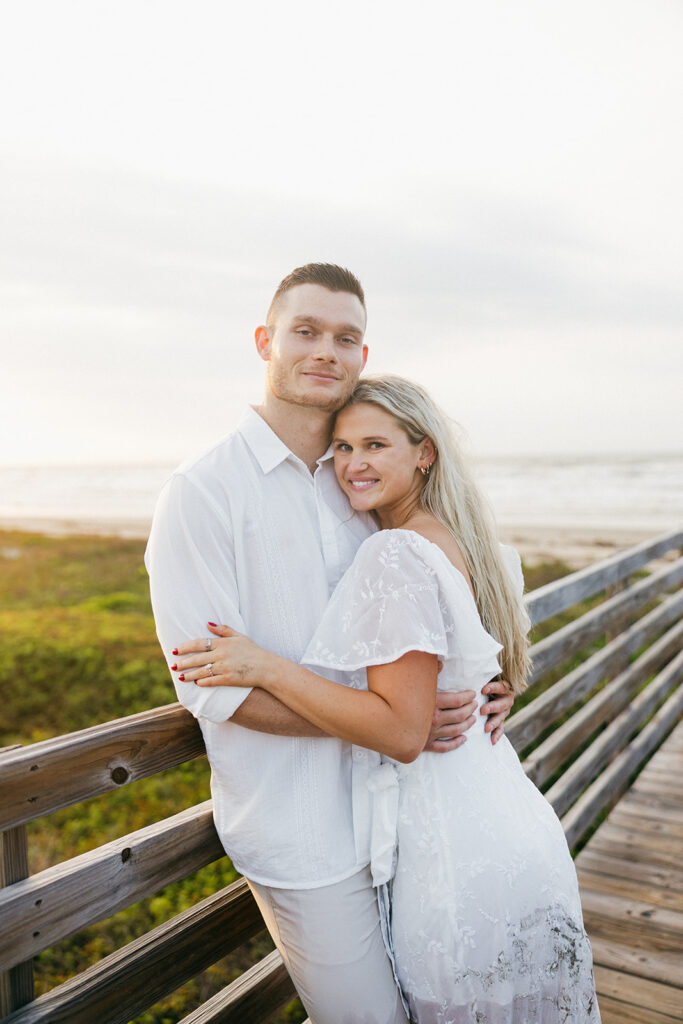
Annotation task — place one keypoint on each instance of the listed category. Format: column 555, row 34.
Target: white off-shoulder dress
column 472, row 865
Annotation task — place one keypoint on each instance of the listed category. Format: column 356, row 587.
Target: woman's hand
column 226, row 659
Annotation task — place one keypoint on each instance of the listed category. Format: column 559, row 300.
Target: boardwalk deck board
column 631, row 877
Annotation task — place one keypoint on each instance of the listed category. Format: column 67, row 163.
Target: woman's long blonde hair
column 452, row 497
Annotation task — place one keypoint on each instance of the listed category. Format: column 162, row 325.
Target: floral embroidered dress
column 485, row 919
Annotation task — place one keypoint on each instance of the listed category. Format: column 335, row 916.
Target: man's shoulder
column 221, row 455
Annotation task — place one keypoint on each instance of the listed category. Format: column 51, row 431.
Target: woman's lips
column 362, row 485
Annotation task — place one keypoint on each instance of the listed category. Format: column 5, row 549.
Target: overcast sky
column 505, row 178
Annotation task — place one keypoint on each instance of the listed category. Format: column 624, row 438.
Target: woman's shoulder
column 432, row 547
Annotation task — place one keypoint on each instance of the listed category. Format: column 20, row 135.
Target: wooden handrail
column 563, row 593
column 39, row 779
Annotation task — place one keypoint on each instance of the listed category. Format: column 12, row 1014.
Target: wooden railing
column 583, row 736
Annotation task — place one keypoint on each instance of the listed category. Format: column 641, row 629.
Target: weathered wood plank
column 43, row 909
column 613, row 1011
column 608, row 787
column 253, row 997
column 589, row 764
column 632, row 922
column 648, row 823
column 650, row 795
column 42, row 778
column 644, row 891
column 564, row 642
column 128, row 981
column 561, row 594
column 611, row 699
column 666, row 967
column 649, row 874
column 16, row 984
column 644, row 852
column 523, row 727
column 640, row 992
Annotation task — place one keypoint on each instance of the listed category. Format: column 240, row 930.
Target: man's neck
column 305, row 430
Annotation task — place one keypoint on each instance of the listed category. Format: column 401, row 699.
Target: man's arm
column 191, row 564
column 264, row 713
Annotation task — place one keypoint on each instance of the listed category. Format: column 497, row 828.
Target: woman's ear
column 427, row 453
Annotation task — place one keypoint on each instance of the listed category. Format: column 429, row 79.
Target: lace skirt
column 486, row 924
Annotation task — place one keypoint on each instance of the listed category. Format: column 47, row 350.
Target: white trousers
column 331, row 941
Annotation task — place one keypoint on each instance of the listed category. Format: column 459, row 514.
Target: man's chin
column 327, row 403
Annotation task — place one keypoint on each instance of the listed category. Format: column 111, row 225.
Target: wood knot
column 120, row 775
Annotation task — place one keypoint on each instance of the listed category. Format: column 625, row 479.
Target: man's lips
column 320, row 376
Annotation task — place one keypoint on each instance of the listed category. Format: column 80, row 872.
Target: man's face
column 315, row 350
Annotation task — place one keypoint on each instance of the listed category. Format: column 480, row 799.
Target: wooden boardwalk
column 631, row 877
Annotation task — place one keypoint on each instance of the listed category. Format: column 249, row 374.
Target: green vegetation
column 79, row 648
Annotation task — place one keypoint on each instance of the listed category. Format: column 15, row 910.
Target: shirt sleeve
column 191, row 564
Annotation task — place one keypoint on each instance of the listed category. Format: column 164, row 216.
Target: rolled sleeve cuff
column 217, row 703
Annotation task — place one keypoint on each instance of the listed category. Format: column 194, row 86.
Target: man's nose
column 324, row 348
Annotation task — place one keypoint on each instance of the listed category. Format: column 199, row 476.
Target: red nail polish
column 174, row 651
column 174, row 667
column 181, row 678
column 213, row 623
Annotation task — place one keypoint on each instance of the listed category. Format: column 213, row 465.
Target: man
column 256, row 534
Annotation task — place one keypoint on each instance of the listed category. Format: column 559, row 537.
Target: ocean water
column 624, row 492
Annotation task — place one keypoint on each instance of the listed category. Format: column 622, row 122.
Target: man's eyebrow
column 305, row 318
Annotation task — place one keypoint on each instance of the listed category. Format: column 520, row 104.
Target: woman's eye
column 342, row 447
column 376, row 444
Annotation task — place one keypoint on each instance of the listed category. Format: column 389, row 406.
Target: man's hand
column 453, row 715
column 497, row 707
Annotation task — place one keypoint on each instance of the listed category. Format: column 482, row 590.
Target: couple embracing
column 355, row 612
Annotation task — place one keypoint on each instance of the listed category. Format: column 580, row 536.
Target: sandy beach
column 576, row 546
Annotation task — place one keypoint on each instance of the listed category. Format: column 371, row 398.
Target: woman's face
column 377, row 466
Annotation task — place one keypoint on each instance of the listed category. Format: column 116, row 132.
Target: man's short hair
column 328, row 275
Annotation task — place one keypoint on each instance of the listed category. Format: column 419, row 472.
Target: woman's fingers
column 222, row 630
column 194, row 661
column 205, row 643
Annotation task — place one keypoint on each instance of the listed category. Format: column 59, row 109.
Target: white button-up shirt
column 246, row 536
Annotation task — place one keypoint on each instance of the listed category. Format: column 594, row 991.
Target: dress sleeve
column 393, row 600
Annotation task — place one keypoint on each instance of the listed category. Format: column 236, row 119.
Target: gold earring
column 425, row 470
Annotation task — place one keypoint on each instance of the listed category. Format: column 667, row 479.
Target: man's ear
column 365, row 357
column 262, row 339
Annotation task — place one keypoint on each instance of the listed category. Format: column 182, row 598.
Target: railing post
column 16, row 985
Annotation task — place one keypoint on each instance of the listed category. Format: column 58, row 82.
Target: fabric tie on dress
column 383, row 784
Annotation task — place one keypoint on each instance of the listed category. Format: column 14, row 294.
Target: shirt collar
column 265, row 445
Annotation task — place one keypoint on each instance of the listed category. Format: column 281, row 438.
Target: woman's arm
column 393, row 716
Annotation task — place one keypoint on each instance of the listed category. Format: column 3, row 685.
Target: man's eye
column 306, row 331
column 349, row 341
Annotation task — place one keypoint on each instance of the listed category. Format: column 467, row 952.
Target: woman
column 475, row 877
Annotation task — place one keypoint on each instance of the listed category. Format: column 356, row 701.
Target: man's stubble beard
column 277, row 383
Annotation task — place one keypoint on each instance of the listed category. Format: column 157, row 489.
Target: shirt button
column 359, row 755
